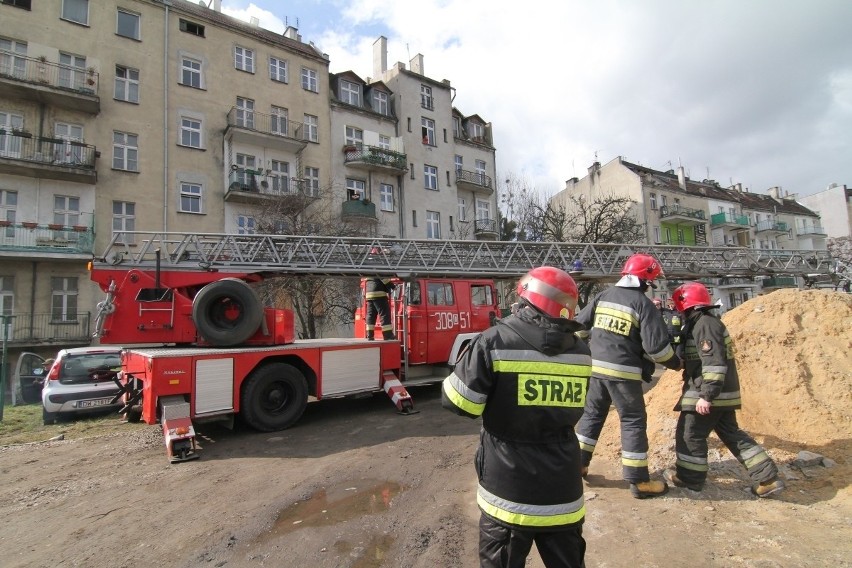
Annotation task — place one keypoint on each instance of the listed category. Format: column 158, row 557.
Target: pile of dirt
column 794, row 357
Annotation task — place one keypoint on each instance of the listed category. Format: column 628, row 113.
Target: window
column 380, row 103
column 124, row 219
column 652, row 197
column 353, row 136
column 311, row 128
column 12, row 60
column 63, row 301
column 190, row 197
column 8, row 210
column 76, row 11
column 476, row 131
column 386, row 197
column 481, row 177
column 243, row 59
column 312, row 182
column 126, row 84
column 125, row 151
column 462, row 209
column 190, row 72
column 657, row 235
column 72, row 71
column 10, row 146
column 248, row 180
column 457, row 127
column 430, row 177
column 350, row 93
column 481, row 295
column 277, row 69
column 433, row 225
column 190, row 132
column 413, row 218
column 355, row 189
column 7, row 303
column 309, row 80
column 663, row 201
column 25, row 4
column 245, row 113
column 459, row 163
column 427, row 127
column 66, row 210
column 440, row 294
column 127, row 24
column 426, row 96
column 191, row 28
column 279, row 172
column 384, row 142
column 68, row 153
column 483, row 210
column 246, row 225
column 279, row 123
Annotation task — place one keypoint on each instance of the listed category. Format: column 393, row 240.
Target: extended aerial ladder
column 321, row 255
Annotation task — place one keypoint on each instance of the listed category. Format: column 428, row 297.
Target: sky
column 756, row 92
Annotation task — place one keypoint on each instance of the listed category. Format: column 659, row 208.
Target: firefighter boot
column 388, row 335
column 645, row 489
column 670, row 475
column 767, row 488
column 369, row 335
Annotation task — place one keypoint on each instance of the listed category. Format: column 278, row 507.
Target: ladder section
column 322, row 255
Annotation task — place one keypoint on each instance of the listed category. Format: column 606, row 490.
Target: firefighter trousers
column 380, row 307
column 627, row 397
column 691, row 446
column 502, row 547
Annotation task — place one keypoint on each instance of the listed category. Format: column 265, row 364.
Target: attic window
column 191, row 28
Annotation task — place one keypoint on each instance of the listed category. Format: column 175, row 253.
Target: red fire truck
column 216, row 352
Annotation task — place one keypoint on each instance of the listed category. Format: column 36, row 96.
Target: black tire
column 133, row 415
column 226, row 312
column 273, row 397
column 48, row 417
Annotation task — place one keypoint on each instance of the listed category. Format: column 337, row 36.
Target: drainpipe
column 166, row 3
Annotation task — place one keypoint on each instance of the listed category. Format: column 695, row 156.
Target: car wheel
column 274, row 397
column 48, row 417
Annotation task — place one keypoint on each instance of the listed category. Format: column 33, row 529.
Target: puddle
column 370, row 556
column 335, row 504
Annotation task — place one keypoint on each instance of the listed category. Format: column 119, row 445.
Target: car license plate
column 94, row 402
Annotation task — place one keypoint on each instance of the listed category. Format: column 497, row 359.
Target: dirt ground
column 356, row 485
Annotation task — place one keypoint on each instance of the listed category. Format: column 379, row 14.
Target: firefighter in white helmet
column 527, row 378
column 710, row 399
column 628, row 337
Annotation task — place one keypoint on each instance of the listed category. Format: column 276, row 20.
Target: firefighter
column 377, row 290
column 527, row 378
column 710, row 399
column 628, row 337
column 674, row 321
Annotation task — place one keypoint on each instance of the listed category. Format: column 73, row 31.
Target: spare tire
column 226, row 312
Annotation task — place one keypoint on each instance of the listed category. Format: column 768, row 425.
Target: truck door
column 481, row 305
column 442, row 319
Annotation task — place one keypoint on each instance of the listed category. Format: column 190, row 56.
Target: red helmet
column 551, row 290
column 643, row 266
column 691, row 295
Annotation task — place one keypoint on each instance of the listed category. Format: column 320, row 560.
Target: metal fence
column 58, row 329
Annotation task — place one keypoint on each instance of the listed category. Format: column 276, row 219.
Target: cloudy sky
column 756, row 92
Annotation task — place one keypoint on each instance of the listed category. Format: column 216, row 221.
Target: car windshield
column 89, row 367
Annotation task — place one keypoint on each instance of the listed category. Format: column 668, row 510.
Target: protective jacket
column 710, row 371
column 674, row 322
column 527, row 378
column 625, row 326
column 378, row 288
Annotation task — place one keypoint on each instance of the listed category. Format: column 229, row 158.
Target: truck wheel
column 226, row 312
column 274, row 397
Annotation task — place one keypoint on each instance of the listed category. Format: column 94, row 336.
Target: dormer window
column 380, row 103
column 350, row 93
column 476, row 131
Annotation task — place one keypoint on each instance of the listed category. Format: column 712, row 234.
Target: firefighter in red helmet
column 527, row 378
column 710, row 399
column 627, row 337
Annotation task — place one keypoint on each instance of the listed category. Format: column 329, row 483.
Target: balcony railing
column 729, row 219
column 810, row 230
column 354, row 209
column 51, row 329
column 38, row 71
column 374, row 155
column 19, row 145
column 32, row 237
column 482, row 226
column 262, row 183
column 776, row 226
column 271, row 124
column 473, row 178
column 677, row 210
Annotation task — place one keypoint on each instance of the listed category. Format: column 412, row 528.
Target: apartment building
column 834, row 205
column 676, row 210
column 171, row 116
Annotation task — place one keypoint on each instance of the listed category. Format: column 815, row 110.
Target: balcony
column 52, row 241
column 811, row 231
column 773, row 227
column 682, row 215
column 779, row 282
column 374, row 158
column 729, row 221
column 485, row 230
column 23, row 154
column 475, row 181
column 259, row 186
column 52, row 84
column 267, row 130
column 66, row 330
column 359, row 210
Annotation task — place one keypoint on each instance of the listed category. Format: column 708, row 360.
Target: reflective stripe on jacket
column 378, row 288
column 710, row 371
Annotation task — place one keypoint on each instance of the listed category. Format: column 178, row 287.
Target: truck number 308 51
column 449, row 320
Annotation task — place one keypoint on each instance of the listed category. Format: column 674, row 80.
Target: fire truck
column 214, row 351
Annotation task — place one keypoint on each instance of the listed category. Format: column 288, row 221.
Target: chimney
column 774, row 192
column 380, row 56
column 292, row 33
column 681, row 178
column 416, row 64
column 594, row 167
column 217, row 6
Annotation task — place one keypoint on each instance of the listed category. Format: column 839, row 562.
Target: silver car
column 81, row 381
